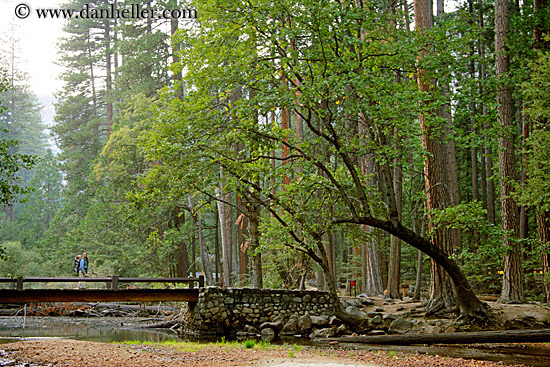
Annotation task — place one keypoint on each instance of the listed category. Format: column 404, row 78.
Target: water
column 100, row 329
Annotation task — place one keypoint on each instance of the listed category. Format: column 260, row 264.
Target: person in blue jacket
column 83, row 269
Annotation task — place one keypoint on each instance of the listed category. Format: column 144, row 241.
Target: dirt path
column 73, row 353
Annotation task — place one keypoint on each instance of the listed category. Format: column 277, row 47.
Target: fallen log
column 159, row 325
column 506, row 336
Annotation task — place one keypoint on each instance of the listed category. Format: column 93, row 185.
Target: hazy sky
column 38, row 40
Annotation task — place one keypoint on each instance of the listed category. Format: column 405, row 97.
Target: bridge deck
column 112, row 293
column 98, row 295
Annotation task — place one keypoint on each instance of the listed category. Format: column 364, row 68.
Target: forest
column 291, row 144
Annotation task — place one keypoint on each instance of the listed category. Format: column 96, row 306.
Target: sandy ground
column 72, row 353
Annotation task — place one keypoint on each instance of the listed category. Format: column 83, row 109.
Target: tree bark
column 394, row 271
column 512, row 284
column 182, row 257
column 543, row 225
column 371, row 269
column 108, row 78
column 205, row 261
column 487, row 152
column 225, row 236
column 438, row 193
column 254, row 222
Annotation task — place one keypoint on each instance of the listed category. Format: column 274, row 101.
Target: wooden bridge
column 113, row 292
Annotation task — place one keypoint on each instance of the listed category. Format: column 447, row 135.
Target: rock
column 365, row 300
column 379, row 309
column 291, row 326
column 305, row 323
column 334, row 321
column 319, row 321
column 342, row 329
column 323, row 333
column 354, row 311
column 354, row 302
column 387, row 320
column 268, row 334
column 400, row 326
column 376, row 320
column 275, row 325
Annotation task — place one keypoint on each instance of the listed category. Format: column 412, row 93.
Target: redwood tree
column 512, row 283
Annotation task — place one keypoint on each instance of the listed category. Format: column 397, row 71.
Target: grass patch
column 249, row 344
column 187, row 346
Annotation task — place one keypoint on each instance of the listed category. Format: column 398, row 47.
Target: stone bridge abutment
column 222, row 310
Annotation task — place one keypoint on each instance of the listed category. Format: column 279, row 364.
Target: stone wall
column 220, row 311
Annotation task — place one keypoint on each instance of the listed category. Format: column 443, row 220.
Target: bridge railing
column 112, row 282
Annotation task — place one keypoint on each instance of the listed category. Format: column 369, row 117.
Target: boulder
column 342, row 329
column 319, row 321
column 291, row 326
column 354, row 311
column 354, row 302
column 305, row 323
column 324, row 333
column 275, row 325
column 334, row 321
column 387, row 320
column 400, row 326
column 376, row 320
column 365, row 300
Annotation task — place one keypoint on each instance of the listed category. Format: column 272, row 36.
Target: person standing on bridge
column 83, row 269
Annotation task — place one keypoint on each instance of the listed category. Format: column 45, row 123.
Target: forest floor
column 73, row 353
column 531, row 315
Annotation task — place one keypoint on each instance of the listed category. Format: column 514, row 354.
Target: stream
column 100, row 329
column 118, row 329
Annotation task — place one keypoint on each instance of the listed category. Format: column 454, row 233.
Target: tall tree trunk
column 394, row 269
column 438, row 196
column 108, row 78
column 254, row 223
column 225, row 236
column 371, row 270
column 182, row 257
column 473, row 114
column 175, row 57
column 543, row 225
column 543, row 217
column 217, row 245
column 512, row 284
column 487, row 152
column 243, row 235
column 205, row 261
